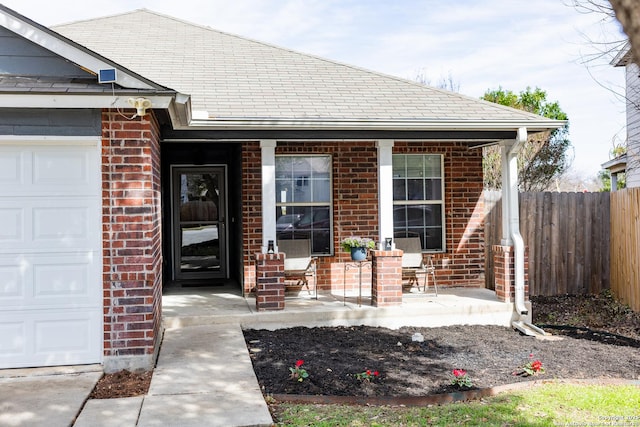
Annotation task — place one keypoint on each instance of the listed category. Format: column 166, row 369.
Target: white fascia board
column 42, row 100
column 371, row 124
column 68, row 51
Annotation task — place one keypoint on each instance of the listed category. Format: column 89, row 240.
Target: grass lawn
column 550, row 404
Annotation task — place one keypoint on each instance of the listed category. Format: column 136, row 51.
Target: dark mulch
column 122, row 384
column 490, row 354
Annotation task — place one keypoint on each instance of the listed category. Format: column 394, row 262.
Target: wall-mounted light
column 140, row 104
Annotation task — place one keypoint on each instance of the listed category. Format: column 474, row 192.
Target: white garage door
column 50, row 253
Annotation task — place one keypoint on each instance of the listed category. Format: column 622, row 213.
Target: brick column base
column 386, row 281
column 504, row 273
column 269, row 281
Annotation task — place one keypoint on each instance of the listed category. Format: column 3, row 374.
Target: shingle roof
column 233, row 77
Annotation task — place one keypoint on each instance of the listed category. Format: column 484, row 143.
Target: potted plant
column 358, row 246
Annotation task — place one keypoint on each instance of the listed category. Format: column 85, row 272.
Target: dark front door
column 199, row 223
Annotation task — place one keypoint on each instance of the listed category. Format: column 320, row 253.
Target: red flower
column 459, row 373
column 536, row 365
column 299, row 363
column 376, row 373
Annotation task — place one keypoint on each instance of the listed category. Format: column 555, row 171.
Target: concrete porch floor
column 189, row 306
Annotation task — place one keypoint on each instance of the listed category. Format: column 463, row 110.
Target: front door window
column 199, row 223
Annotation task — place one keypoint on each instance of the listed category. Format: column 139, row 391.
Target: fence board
column 567, row 238
column 625, row 246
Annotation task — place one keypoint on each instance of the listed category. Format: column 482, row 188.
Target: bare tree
column 628, row 13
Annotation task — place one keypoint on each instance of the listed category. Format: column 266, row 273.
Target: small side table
column 350, row 266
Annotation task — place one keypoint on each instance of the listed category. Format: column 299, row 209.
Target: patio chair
column 299, row 265
column 413, row 264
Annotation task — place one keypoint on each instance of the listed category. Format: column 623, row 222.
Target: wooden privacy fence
column 567, row 236
column 625, row 246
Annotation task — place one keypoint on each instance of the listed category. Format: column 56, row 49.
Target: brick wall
column 132, row 241
column 355, row 209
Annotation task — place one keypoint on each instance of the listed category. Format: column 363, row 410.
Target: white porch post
column 385, row 188
column 268, row 151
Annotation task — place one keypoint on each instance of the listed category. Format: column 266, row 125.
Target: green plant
column 531, row 368
column 367, row 375
column 298, row 373
column 461, row 379
column 357, row 242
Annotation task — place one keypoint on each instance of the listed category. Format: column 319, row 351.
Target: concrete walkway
column 204, row 377
column 44, row 397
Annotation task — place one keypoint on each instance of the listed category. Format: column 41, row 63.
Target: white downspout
column 514, row 219
column 510, row 192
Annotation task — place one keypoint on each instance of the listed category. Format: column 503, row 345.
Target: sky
column 478, row 45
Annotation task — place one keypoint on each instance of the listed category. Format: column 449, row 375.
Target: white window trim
column 440, row 202
column 311, row 204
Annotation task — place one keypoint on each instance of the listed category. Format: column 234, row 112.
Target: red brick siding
column 355, row 208
column 132, row 241
column 270, row 282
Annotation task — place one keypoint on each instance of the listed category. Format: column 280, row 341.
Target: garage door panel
column 62, row 224
column 47, row 170
column 43, row 224
column 36, row 281
column 61, row 167
column 11, row 168
column 60, row 337
column 11, row 225
column 11, row 284
column 12, row 339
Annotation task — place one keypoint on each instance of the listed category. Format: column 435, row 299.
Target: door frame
column 174, row 223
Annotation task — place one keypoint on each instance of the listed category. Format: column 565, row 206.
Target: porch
column 184, row 306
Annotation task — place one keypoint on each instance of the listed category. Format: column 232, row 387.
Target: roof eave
column 83, row 100
column 532, row 126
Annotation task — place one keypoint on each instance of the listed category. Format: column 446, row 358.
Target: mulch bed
column 491, row 355
column 601, row 339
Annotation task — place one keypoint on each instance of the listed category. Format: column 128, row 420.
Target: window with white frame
column 418, row 199
column 303, row 200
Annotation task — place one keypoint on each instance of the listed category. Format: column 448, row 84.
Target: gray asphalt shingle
column 234, row 77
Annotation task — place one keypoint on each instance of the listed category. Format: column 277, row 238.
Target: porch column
column 386, row 280
column 268, row 151
column 385, row 188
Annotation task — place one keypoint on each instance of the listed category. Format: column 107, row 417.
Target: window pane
column 433, row 216
column 433, row 239
column 284, row 190
column 433, row 189
column 321, row 190
column 302, row 192
column 432, row 166
column 415, row 189
column 308, row 222
column 415, row 166
column 399, row 166
column 320, row 166
column 399, row 189
column 283, row 167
